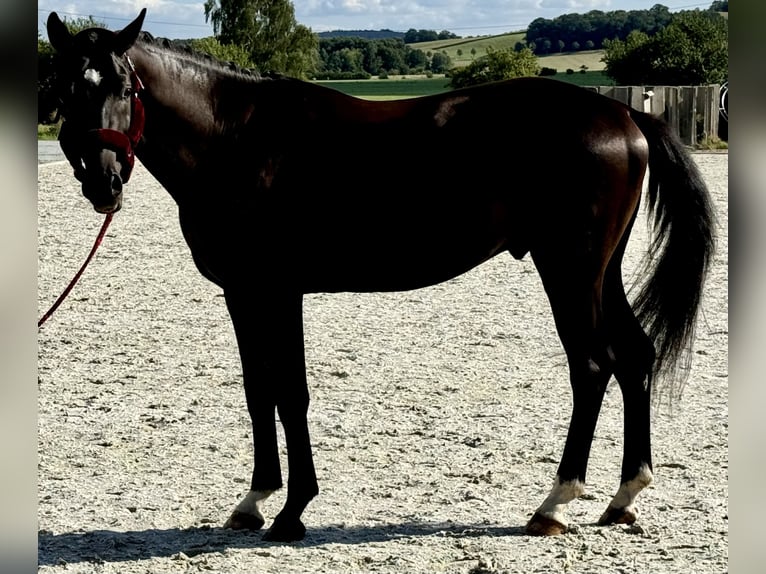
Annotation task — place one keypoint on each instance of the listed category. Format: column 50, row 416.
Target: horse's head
column 103, row 115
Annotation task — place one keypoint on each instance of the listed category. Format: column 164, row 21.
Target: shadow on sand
column 111, row 546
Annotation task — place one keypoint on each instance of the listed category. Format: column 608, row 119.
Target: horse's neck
column 182, row 123
column 180, row 90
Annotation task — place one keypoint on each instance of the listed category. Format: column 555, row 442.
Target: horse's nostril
column 116, row 184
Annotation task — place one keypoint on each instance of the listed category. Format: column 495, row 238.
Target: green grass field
column 392, row 88
column 413, row 86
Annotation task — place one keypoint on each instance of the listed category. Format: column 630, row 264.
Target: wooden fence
column 692, row 111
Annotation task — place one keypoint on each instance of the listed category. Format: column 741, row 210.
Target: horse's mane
column 202, row 59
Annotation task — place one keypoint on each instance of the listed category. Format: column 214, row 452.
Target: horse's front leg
column 269, row 330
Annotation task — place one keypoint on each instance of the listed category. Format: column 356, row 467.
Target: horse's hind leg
column 634, row 356
column 572, row 281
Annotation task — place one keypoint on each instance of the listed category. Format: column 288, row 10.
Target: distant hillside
column 367, row 34
column 464, row 50
column 459, row 49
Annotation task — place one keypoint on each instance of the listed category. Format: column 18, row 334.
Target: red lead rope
column 74, row 280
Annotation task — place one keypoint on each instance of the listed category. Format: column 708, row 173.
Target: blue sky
column 186, row 18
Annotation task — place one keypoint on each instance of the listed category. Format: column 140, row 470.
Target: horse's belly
column 391, row 263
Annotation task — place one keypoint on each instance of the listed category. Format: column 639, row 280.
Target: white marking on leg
column 561, row 494
column 626, row 494
column 251, row 504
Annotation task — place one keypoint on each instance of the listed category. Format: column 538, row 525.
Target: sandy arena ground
column 438, row 417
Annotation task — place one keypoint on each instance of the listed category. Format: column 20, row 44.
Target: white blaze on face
column 93, row 76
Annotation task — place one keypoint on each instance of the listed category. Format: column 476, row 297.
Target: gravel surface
column 438, row 417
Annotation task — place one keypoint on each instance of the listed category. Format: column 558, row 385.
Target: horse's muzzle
column 104, row 192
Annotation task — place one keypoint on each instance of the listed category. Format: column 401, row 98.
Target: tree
column 496, row 65
column 392, row 55
column 267, row 31
column 624, row 61
column 440, row 63
column 692, row 50
column 594, row 26
column 416, row 60
column 226, row 53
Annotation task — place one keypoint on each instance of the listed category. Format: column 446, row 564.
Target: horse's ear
column 126, row 37
column 58, row 33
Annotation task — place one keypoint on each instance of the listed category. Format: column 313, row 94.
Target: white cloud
column 185, row 18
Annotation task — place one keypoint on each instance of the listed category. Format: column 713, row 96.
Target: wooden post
column 658, row 101
column 707, row 109
column 622, row 94
column 671, row 107
column 635, row 98
column 687, row 124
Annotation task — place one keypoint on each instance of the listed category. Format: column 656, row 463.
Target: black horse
column 286, row 188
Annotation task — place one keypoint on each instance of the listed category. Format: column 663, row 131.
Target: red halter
column 122, row 144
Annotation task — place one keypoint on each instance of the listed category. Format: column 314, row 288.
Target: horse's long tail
column 680, row 251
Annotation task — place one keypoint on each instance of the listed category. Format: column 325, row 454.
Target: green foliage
column 590, row 30
column 413, row 36
column 353, row 56
column 440, row 63
column 496, row 65
column 226, row 53
column 712, row 143
column 692, row 50
column 76, row 25
column 49, row 131
column 267, row 31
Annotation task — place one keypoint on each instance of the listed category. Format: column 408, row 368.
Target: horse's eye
column 127, row 92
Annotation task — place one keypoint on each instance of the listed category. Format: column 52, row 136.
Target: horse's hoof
column 614, row 515
column 285, row 531
column 241, row 521
column 540, row 525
